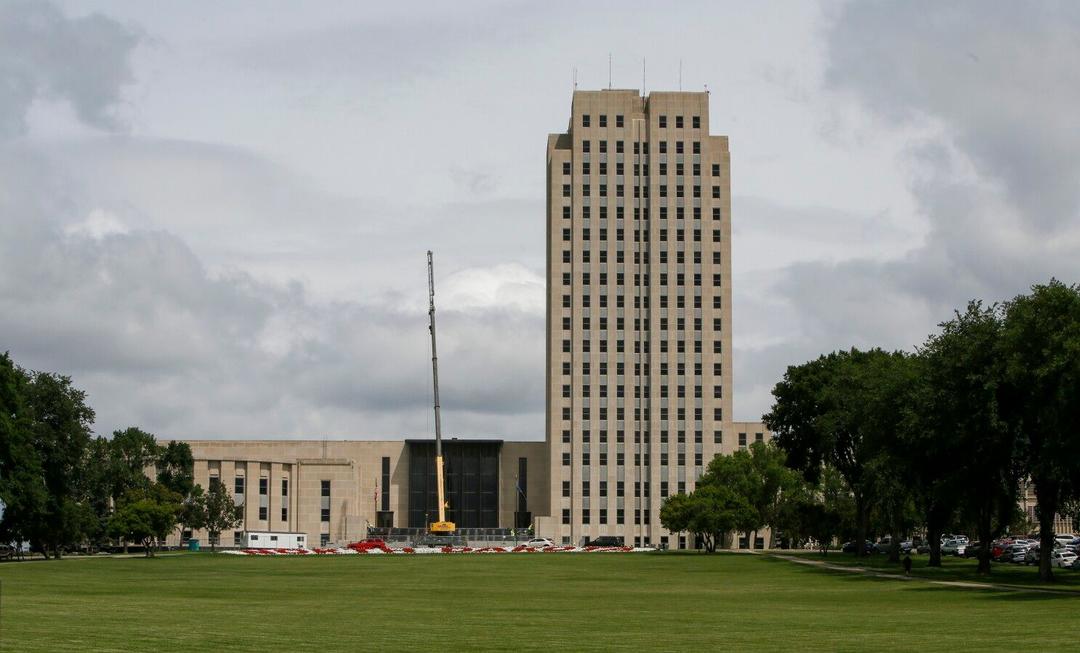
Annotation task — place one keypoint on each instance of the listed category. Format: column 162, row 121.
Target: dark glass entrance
column 472, row 482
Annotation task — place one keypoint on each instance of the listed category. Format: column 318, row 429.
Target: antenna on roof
column 643, row 77
column 609, row 71
column 680, row 74
column 575, row 77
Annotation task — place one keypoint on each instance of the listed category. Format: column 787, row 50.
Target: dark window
column 325, row 488
column 264, row 512
column 696, row 122
column 742, row 439
column 618, row 121
column 678, row 122
column 663, row 121
column 603, row 120
column 585, row 120
column 566, row 488
column 264, row 485
column 238, row 485
column 566, row 168
column 566, row 516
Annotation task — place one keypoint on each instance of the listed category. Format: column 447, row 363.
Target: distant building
column 639, row 368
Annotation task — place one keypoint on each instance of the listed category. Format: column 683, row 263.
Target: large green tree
column 60, row 434
column 759, row 475
column 133, row 452
column 21, row 489
column 1042, row 344
column 709, row 512
column 146, row 515
column 838, row 410
column 961, row 448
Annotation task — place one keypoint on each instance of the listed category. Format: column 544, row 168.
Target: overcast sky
column 215, row 219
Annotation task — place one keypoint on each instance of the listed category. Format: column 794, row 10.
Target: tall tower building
column 638, row 310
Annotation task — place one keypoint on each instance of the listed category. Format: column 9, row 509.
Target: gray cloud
column 988, row 91
column 45, row 55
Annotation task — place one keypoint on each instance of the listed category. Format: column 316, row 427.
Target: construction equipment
column 441, row 527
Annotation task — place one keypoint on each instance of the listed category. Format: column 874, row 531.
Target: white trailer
column 273, row 540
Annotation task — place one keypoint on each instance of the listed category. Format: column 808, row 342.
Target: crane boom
column 441, row 526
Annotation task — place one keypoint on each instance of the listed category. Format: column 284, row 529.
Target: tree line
column 65, row 489
column 937, row 440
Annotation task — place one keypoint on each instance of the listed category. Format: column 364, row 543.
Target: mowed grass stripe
column 531, row 602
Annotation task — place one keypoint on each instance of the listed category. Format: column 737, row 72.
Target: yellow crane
column 441, row 527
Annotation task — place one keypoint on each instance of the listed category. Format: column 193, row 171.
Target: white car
column 1062, row 558
column 539, row 543
column 953, row 548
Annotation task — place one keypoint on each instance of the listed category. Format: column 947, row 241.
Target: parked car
column 907, row 546
column 1063, row 558
column 954, row 547
column 972, row 550
column 884, row 544
column 1064, row 538
column 1016, row 553
column 7, row 552
column 539, row 543
column 606, row 540
column 851, row 547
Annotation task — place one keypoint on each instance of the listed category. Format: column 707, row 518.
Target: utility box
column 273, row 540
column 193, row 544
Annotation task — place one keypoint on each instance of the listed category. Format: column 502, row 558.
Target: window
column 663, row 121
column 264, row 485
column 759, row 437
column 324, row 539
column 678, row 122
column 696, row 122
column 264, row 512
column 238, row 538
column 618, row 120
column 716, row 170
column 585, row 516
column 566, row 488
column 585, row 488
column 742, row 440
column 238, row 485
column 585, row 147
column 566, row 516
column 566, row 458
column 603, row 120
column 566, row 190
column 697, row 147
column 716, row 192
column 603, row 147
column 678, row 147
column 585, row 120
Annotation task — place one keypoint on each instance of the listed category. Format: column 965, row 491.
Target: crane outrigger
column 441, row 527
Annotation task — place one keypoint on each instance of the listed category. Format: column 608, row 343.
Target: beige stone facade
column 639, row 371
column 282, row 484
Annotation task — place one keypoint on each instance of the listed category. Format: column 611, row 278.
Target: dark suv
column 606, row 540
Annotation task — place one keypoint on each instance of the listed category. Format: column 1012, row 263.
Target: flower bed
column 367, row 547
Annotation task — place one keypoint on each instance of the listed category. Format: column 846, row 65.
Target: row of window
column 620, row 413
column 620, row 389
column 620, row 169
column 620, row 516
column 661, row 121
column 620, row 436
column 264, row 486
column 680, row 257
column 620, row 214
column 641, row 191
column 643, row 324
column 640, row 302
column 680, row 148
column 620, row 488
column 639, row 235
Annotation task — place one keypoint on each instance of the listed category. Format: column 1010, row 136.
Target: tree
column 1042, row 343
column 709, row 512
column 836, row 411
column 132, row 452
column 21, row 489
column 146, row 515
column 192, row 514
column 221, row 514
column 961, row 448
column 176, row 467
column 60, row 434
column 759, row 476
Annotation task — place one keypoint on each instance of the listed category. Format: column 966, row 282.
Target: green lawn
column 552, row 602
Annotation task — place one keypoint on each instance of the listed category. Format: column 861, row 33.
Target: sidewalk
column 948, row 583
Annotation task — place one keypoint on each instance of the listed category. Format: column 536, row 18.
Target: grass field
column 553, row 602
